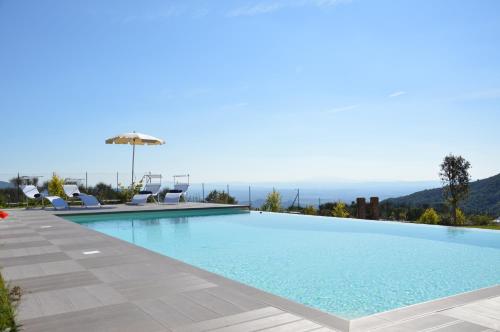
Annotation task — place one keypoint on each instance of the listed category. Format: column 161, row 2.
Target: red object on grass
column 3, row 214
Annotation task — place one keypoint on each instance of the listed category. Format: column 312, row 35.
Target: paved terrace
column 127, row 288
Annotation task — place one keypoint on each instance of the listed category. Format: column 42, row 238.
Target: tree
column 273, row 202
column 430, row 216
column 455, row 178
column 339, row 210
column 55, row 186
column 220, row 197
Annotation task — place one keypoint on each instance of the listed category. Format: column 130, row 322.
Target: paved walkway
column 76, row 279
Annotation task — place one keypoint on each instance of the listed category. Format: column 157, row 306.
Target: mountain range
column 484, row 197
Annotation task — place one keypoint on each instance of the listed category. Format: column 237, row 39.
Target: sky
column 251, row 90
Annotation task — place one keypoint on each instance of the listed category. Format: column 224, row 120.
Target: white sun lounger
column 182, row 187
column 31, row 192
column 149, row 190
column 172, row 197
column 72, row 191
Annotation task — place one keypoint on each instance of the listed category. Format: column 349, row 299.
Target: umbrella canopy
column 134, row 139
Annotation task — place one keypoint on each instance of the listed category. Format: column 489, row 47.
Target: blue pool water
column 347, row 267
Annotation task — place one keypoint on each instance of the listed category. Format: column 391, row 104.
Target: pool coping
column 371, row 322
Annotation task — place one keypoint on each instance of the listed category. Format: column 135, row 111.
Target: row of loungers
column 72, row 191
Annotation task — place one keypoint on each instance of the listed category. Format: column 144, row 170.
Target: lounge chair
column 31, row 192
column 150, row 190
column 173, row 197
column 182, row 187
column 72, row 191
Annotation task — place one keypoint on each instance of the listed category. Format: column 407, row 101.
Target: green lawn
column 497, row 227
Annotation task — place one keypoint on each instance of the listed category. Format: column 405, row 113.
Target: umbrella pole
column 133, row 158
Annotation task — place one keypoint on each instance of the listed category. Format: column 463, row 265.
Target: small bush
column 430, row 216
column 480, row 220
column 273, row 202
column 9, row 298
column 339, row 210
column 55, row 186
column 220, row 197
column 309, row 210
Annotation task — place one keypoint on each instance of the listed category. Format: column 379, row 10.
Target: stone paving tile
column 238, row 299
column 33, row 259
column 59, row 301
column 425, row 322
column 4, row 236
column 17, row 245
column 83, row 238
column 98, row 261
column 212, row 302
column 17, row 232
column 474, row 316
column 230, row 320
column 113, row 318
column 10, row 253
column 131, row 271
column 163, row 285
column 260, row 324
column 85, row 246
column 194, row 311
column 462, row 327
column 297, row 326
column 40, row 269
column 21, row 239
column 58, row 281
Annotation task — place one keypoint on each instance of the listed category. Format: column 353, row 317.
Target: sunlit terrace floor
column 127, row 288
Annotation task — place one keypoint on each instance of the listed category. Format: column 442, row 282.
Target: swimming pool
column 350, row 268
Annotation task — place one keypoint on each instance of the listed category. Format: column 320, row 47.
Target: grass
column 497, row 227
column 9, row 298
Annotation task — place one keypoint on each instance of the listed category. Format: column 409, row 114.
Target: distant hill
column 4, row 185
column 484, row 197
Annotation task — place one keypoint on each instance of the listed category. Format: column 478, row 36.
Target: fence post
column 86, row 181
column 227, row 197
column 18, row 184
column 203, row 192
column 116, row 181
column 249, row 198
column 298, row 198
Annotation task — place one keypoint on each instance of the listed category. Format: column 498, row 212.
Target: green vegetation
column 483, row 198
column 339, row 210
column 455, row 177
column 273, row 202
column 309, row 210
column 430, row 216
column 220, row 197
column 55, row 186
column 9, row 298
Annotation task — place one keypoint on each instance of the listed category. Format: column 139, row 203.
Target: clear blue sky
column 251, row 90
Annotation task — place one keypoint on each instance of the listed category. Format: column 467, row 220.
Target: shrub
column 460, row 217
column 309, row 210
column 55, row 186
column 480, row 220
column 430, row 216
column 220, row 197
column 273, row 202
column 339, row 210
column 9, row 298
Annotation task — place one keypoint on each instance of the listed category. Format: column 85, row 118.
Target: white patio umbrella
column 134, row 139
